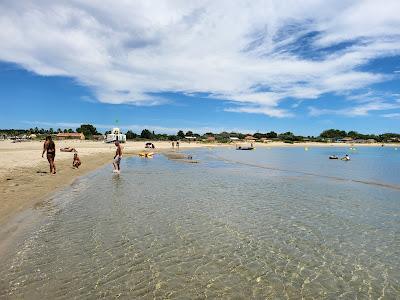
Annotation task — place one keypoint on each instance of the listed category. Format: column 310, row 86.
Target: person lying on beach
column 77, row 161
column 50, row 148
column 117, row 157
column 68, row 149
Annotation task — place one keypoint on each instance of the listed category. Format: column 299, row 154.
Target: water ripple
column 169, row 230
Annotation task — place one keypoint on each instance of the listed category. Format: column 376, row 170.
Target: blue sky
column 201, row 66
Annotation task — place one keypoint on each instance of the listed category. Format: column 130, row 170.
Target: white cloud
column 392, row 116
column 266, row 110
column 246, row 52
column 362, row 109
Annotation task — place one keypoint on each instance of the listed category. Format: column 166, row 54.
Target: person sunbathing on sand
column 77, row 161
column 68, row 149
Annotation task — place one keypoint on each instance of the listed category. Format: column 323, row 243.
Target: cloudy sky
column 302, row 66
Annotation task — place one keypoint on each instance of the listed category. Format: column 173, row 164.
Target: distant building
column 70, row 136
column 345, row 140
column 98, row 137
column 210, row 139
column 371, row 141
column 116, row 135
column 265, row 140
column 360, row 141
column 234, row 138
column 190, row 138
column 394, row 140
column 250, row 138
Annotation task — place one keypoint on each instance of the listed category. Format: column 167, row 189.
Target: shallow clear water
column 221, row 228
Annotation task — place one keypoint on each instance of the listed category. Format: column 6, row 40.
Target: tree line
column 223, row 137
column 340, row 134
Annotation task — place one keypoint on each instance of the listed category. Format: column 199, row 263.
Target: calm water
column 270, row 223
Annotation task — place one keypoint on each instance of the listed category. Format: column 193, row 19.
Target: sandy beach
column 24, row 174
column 25, row 178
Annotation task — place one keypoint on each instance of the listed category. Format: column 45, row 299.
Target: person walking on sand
column 117, row 157
column 173, row 145
column 50, row 148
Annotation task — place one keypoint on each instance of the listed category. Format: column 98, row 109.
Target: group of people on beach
column 173, row 145
column 49, row 148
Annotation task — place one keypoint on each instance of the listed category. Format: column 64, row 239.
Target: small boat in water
column 244, row 148
column 333, row 157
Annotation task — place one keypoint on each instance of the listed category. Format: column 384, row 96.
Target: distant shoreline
column 319, row 144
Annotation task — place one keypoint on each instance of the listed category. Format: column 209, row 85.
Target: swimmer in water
column 346, row 157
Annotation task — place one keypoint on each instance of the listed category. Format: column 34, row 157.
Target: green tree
column 272, row 135
column 181, row 134
column 70, row 130
column 130, row 135
column 146, row 134
column 189, row 133
column 88, row 130
column 258, row 135
column 287, row 136
column 354, row 134
column 333, row 133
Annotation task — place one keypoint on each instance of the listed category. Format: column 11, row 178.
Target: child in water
column 77, row 161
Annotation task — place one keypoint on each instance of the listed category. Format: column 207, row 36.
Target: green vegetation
column 88, row 130
column 223, row 137
column 340, row 134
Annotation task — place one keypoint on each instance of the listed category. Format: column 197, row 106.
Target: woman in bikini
column 50, row 148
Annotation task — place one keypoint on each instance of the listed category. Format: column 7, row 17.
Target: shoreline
column 25, row 181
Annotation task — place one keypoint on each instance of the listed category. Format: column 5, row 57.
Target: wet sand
column 24, row 175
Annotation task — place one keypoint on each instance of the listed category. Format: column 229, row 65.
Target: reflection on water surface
column 216, row 229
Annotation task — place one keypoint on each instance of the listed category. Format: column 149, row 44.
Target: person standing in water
column 346, row 157
column 50, row 148
column 117, row 157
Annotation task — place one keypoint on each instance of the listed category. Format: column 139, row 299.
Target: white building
column 116, row 135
